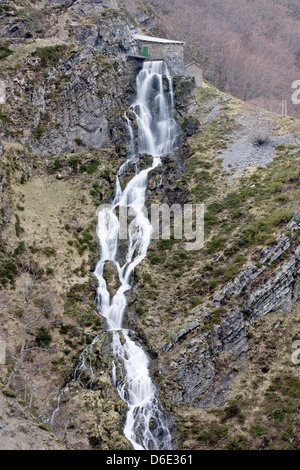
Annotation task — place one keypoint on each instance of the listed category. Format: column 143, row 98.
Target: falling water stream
column 153, row 107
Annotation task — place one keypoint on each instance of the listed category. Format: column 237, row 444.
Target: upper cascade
column 154, row 109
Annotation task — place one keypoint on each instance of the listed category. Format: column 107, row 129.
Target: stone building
column 163, row 49
column 194, row 70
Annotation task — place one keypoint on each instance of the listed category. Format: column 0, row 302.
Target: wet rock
column 185, row 100
column 111, row 277
column 190, row 125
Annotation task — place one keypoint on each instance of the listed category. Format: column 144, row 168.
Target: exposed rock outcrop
column 259, row 292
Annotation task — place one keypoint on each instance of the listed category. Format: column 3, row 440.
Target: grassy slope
column 53, row 224
column 48, row 219
column 241, row 217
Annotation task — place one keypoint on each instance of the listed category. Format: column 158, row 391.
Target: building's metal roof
column 140, row 37
column 194, row 63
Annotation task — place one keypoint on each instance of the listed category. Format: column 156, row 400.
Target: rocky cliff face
column 260, row 295
column 71, row 95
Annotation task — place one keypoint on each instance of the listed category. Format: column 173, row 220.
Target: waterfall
column 145, row 426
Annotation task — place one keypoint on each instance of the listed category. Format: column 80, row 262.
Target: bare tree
column 248, row 49
column 32, row 318
column 26, row 384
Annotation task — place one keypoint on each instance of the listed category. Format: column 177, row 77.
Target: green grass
column 50, row 55
column 92, row 167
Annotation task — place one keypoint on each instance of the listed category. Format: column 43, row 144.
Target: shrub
column 202, row 191
column 217, row 244
column 275, row 187
column 38, row 132
column 86, row 237
column 281, row 216
column 262, row 230
column 156, row 258
column 43, row 337
column 3, row 116
column 147, row 278
column 239, row 442
column 164, row 244
column 230, row 272
column 215, row 207
column 4, row 8
column 79, row 142
column 57, row 164
column 8, row 392
column 287, row 385
column 281, row 198
column 18, row 227
column 64, row 329
column 232, row 410
column 8, row 272
column 258, row 430
column 48, row 251
column 20, row 249
column 5, row 52
column 92, row 167
column 73, row 163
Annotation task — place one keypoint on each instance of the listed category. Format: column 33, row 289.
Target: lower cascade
column 145, row 426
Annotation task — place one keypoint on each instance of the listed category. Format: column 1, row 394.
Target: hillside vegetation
column 218, row 324
column 249, row 49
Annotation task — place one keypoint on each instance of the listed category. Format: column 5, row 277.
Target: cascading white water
column 157, row 131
